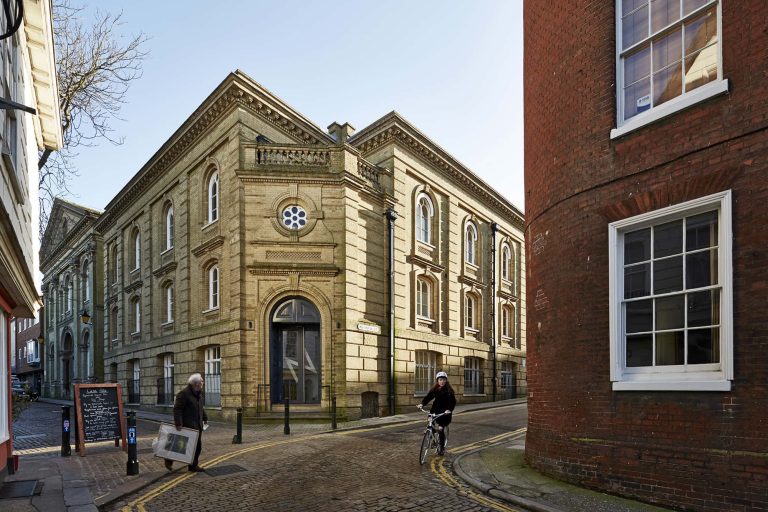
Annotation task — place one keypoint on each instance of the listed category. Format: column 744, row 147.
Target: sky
column 452, row 68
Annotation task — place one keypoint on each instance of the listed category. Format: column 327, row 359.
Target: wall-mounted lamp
column 41, row 340
column 85, row 317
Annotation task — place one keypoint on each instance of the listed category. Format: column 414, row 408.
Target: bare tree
column 94, row 68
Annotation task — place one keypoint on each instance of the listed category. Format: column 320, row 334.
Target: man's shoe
column 196, row 469
column 169, row 464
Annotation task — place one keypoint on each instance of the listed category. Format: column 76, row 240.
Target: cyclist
column 445, row 401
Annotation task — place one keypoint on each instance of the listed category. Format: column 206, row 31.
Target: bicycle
column 431, row 439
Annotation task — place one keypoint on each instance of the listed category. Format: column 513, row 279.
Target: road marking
column 437, row 465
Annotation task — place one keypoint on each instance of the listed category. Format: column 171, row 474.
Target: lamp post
column 85, row 317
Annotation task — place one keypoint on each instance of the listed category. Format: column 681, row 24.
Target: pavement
column 98, row 479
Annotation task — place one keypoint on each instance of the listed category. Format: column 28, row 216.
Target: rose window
column 294, row 217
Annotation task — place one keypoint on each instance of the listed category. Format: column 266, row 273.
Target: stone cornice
column 392, row 128
column 283, row 269
column 237, row 90
column 133, row 286
column 83, row 226
column 168, row 267
column 425, row 263
column 472, row 282
column 208, row 245
column 507, row 295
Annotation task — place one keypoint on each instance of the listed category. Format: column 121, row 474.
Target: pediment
column 65, row 217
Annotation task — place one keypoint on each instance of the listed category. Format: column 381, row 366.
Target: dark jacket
column 188, row 409
column 444, row 401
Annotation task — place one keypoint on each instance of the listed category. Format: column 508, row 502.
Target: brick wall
column 690, row 450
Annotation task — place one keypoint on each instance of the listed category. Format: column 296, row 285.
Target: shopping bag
column 175, row 444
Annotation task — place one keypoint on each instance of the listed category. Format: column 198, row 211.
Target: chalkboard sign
column 99, row 410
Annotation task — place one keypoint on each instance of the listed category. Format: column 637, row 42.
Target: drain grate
column 224, row 470
column 20, row 489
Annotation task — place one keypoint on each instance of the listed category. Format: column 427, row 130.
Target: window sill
column 166, row 251
column 211, row 310
column 135, row 270
column 209, row 224
column 671, row 107
column 673, row 385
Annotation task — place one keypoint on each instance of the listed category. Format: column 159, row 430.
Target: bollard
column 333, row 414
column 287, row 427
column 133, row 464
column 66, row 449
column 238, row 438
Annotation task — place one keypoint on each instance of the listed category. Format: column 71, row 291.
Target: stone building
column 72, row 264
column 254, row 247
column 646, row 182
column 27, row 359
column 29, row 121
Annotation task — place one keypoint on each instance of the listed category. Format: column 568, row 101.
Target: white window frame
column 86, row 285
column 213, row 360
column 213, row 287
column 506, row 324
column 136, row 370
column 136, row 316
column 685, row 100
column 473, row 376
column 69, row 294
column 425, row 369
column 470, row 241
column 714, row 377
column 169, row 303
column 137, row 249
column 423, row 298
column 213, row 197
column 169, row 227
column 506, row 259
column 425, row 212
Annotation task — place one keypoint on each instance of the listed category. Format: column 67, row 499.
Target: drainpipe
column 391, row 217
column 494, row 228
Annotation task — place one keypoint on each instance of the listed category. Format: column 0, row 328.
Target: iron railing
column 212, row 390
column 165, row 391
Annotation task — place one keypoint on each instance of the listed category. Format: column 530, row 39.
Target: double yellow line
column 438, row 468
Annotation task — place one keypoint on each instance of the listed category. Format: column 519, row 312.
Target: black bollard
column 238, row 438
column 287, row 427
column 66, row 449
column 333, row 414
column 133, row 463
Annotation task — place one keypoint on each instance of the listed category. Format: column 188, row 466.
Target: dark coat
column 445, row 400
column 188, row 409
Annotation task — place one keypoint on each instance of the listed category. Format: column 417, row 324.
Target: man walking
column 188, row 412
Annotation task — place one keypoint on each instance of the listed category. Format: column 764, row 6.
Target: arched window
column 168, row 226
column 68, row 291
column 213, row 197
column 113, row 324
column 86, row 282
column 424, row 214
column 506, row 259
column 471, row 244
column 168, row 296
column 136, row 249
column 423, row 298
column 136, row 315
column 113, row 264
column 507, row 319
column 213, row 287
column 470, row 309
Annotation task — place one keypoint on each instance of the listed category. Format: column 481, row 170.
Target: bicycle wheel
column 426, row 444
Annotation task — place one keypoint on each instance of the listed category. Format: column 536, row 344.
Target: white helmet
column 441, row 374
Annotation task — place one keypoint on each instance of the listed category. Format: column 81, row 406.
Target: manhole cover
column 224, row 470
column 20, row 489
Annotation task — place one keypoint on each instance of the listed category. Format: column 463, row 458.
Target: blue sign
column 66, row 425
column 131, row 435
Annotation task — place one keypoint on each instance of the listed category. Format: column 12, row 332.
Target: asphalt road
column 375, row 469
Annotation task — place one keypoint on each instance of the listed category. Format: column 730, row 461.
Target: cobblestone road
column 371, row 470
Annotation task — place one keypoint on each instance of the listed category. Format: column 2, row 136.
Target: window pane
column 634, row 27
column 640, row 350
column 691, row 5
column 667, row 84
column 668, row 239
column 663, row 13
column 637, row 98
column 628, row 6
column 704, row 308
column 670, row 348
column 637, row 281
column 701, row 32
column 701, row 269
column 668, row 275
column 704, row 346
column 701, row 231
column 639, row 316
column 637, row 246
column 670, row 312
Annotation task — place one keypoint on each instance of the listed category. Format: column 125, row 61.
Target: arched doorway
column 66, row 364
column 295, row 348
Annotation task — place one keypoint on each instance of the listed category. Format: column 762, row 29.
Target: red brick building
column 646, row 190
